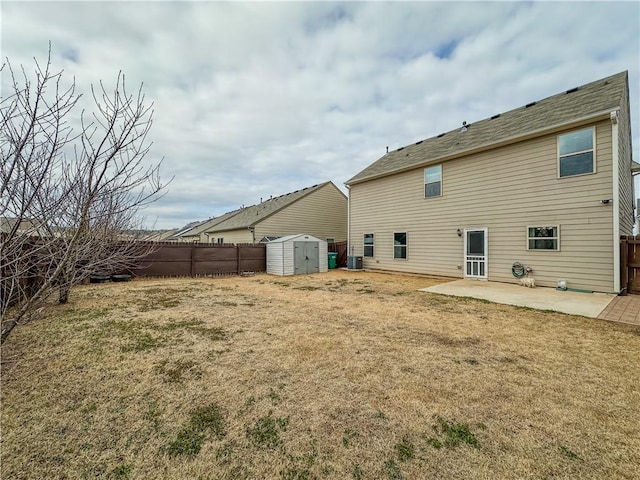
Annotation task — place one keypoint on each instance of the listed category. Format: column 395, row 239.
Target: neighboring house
column 320, row 210
column 160, row 235
column 198, row 233
column 23, row 226
column 548, row 185
column 177, row 235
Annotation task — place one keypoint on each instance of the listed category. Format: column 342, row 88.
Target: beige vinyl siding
column 624, row 158
column 202, row 238
column 322, row 213
column 234, row 236
column 504, row 190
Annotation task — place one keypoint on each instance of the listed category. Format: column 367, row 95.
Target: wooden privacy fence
column 630, row 264
column 341, row 249
column 195, row 259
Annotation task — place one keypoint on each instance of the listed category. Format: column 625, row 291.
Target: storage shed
column 296, row 254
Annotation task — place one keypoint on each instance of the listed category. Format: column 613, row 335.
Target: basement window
column 576, row 153
column 368, row 245
column 543, row 238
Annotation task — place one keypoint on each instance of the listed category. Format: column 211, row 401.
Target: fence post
column 193, row 251
column 624, row 265
column 237, row 259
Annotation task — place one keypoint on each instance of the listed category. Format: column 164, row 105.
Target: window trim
column 557, row 238
column 592, row 149
column 372, row 245
column 424, row 181
column 406, row 245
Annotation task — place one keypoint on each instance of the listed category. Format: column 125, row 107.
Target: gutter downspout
column 348, row 217
column 616, row 200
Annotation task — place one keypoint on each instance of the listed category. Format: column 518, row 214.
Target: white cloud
column 259, row 99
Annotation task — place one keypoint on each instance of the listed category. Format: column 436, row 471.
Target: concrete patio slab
column 541, row 298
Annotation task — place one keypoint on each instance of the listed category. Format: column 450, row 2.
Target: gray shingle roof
column 207, row 224
column 249, row 216
column 592, row 98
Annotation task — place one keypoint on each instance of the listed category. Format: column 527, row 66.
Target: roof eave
column 260, row 219
column 602, row 115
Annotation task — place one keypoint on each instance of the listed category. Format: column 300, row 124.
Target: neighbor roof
column 207, row 224
column 187, row 228
column 571, row 105
column 251, row 215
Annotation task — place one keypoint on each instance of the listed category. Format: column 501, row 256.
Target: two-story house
column 319, row 210
column 547, row 185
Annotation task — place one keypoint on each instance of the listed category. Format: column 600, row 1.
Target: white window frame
column 372, row 245
column 406, row 246
column 592, row 149
column 424, row 178
column 557, row 238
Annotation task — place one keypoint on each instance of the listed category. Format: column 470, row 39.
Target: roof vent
column 464, row 127
column 571, row 90
column 529, row 104
column 441, row 135
column 418, row 143
column 495, row 116
column 401, row 148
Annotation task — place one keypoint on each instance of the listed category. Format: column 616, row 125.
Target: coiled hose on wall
column 518, row 270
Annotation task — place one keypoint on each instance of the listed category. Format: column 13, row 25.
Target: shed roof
column 287, row 238
column 577, row 103
column 249, row 216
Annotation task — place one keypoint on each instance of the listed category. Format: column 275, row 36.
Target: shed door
column 305, row 257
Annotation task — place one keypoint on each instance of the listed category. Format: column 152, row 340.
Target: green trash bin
column 333, row 260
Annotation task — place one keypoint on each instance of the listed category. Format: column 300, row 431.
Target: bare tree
column 70, row 198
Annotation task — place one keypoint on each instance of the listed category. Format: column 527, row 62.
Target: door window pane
column 475, row 243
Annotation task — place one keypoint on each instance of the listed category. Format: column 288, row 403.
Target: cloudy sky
column 260, row 99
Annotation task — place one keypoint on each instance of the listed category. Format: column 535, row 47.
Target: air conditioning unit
column 354, row 262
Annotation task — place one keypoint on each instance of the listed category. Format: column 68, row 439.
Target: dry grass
column 337, row 375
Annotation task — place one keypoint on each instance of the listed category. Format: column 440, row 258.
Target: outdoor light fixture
column 562, row 285
column 459, row 232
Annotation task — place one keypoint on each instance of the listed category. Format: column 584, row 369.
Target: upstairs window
column 368, row 244
column 400, row 245
column 543, row 238
column 433, row 181
column 576, row 153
